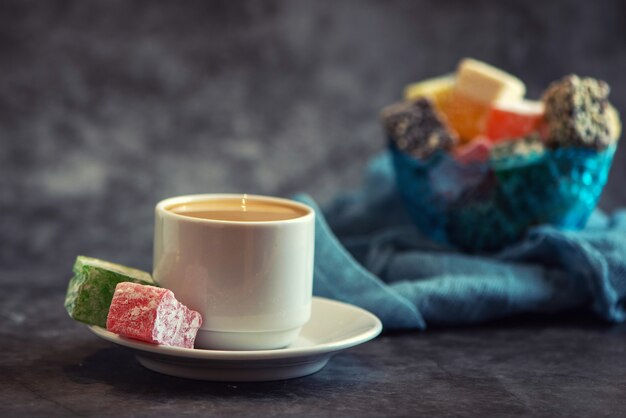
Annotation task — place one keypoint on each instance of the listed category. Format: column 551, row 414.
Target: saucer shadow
column 118, row 368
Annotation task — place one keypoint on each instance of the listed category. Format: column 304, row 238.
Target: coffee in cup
column 239, row 209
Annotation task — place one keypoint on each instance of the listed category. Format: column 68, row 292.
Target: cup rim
column 162, row 208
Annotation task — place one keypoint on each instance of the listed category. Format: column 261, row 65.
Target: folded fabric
column 369, row 253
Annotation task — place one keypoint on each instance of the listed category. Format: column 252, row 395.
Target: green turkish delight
column 90, row 291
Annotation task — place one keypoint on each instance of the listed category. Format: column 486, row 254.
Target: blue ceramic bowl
column 485, row 206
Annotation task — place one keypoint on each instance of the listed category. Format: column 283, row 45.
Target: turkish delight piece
column 437, row 89
column 478, row 85
column 485, row 83
column 476, row 151
column 417, row 129
column 578, row 113
column 152, row 314
column 90, row 291
column 465, row 115
column 507, row 120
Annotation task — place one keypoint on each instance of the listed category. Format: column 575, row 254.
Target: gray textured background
column 108, row 107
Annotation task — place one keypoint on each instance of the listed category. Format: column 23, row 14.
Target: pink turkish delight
column 476, row 151
column 152, row 314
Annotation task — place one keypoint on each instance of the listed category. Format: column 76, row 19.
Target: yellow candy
column 465, row 115
column 436, row 88
column 478, row 85
column 466, row 97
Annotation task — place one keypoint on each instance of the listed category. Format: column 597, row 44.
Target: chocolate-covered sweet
column 417, row 129
column 577, row 113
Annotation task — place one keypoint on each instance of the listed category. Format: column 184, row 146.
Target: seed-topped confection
column 525, row 148
column 417, row 128
column 577, row 113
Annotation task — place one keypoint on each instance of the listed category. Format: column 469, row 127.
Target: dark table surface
column 108, row 107
column 563, row 366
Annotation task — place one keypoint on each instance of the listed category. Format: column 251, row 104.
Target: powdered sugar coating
column 153, row 315
column 171, row 315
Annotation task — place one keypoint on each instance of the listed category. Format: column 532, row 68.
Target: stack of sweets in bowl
column 477, row 164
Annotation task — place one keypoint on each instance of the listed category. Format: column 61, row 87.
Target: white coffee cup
column 250, row 280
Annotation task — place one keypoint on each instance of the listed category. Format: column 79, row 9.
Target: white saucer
column 334, row 326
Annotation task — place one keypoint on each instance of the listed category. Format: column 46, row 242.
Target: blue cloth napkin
column 368, row 253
